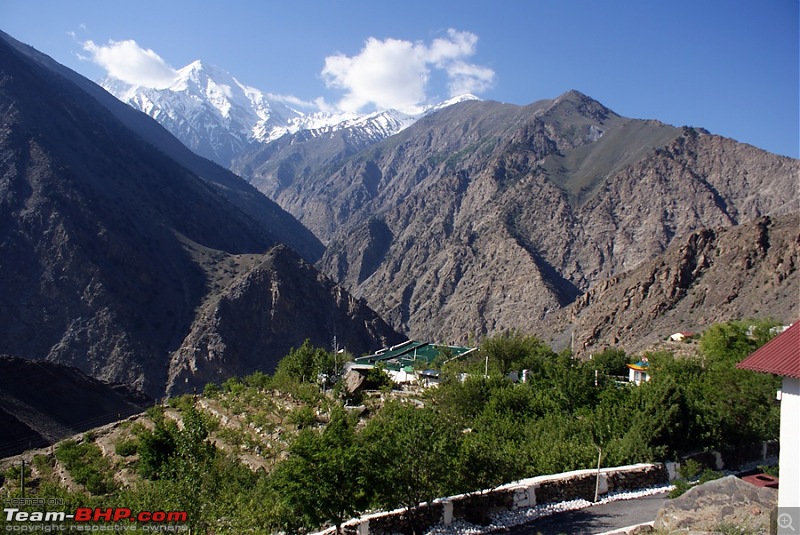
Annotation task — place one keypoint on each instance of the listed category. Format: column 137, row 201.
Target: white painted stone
column 447, row 512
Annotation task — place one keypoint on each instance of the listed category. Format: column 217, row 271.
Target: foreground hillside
column 281, row 453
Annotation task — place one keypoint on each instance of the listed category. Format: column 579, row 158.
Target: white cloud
column 388, row 74
column 467, row 78
column 394, row 74
column 130, row 63
column 292, row 100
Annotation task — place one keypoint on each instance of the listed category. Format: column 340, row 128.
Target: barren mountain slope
column 486, row 217
column 708, row 276
column 272, row 304
column 42, row 402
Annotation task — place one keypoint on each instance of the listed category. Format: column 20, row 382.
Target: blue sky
column 730, row 66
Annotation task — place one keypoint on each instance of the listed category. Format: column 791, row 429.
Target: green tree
column 514, row 352
column 661, row 418
column 409, row 455
column 463, row 401
column 484, row 460
column 157, row 446
column 320, row 481
column 610, row 362
column 733, row 341
column 305, row 364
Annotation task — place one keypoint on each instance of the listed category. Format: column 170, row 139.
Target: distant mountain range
column 477, row 217
column 218, row 117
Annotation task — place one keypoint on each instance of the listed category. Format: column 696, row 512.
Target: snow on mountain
column 218, row 117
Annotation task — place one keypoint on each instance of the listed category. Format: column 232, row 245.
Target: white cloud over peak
column 467, row 78
column 393, row 73
column 132, row 64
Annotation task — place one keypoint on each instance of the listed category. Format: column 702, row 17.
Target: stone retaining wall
column 518, row 495
column 551, row 489
column 738, row 458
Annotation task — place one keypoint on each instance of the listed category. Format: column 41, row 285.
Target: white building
column 781, row 356
column 639, row 372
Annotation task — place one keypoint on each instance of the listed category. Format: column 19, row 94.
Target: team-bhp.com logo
column 156, row 520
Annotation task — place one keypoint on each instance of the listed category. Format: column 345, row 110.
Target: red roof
column 780, row 356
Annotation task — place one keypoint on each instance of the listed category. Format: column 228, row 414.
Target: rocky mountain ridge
column 485, row 217
column 110, row 248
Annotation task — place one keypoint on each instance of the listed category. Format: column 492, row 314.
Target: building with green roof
column 411, row 355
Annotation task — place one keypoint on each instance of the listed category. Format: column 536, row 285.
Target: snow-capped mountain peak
column 218, row 116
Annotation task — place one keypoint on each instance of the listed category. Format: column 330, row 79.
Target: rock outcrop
column 719, row 506
column 711, row 275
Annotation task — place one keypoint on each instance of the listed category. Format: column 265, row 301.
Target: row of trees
column 460, row 437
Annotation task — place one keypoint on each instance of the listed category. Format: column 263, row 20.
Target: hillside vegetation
column 262, row 454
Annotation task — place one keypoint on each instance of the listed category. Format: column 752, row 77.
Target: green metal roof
column 410, row 352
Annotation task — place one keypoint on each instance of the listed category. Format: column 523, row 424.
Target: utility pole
column 335, row 357
column 572, row 341
column 597, row 480
column 22, row 479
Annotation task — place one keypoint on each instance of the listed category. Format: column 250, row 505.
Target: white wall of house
column 789, row 484
column 637, row 377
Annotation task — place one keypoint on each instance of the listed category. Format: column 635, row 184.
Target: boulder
column 353, row 381
column 717, row 506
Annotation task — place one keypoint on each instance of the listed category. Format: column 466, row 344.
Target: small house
column 639, row 372
column 681, row 336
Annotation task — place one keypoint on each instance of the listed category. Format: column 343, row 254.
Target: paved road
column 595, row 519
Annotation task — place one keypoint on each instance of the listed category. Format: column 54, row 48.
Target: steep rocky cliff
column 272, row 306
column 707, row 276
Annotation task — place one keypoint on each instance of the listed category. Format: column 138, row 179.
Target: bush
column 13, row 473
column 377, row 378
column 212, row 390
column 126, row 447
column 86, row 464
column 258, row 380
column 302, row 417
column 182, row 403
column 681, row 486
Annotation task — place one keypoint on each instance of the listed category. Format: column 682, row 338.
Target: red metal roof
column 780, row 356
